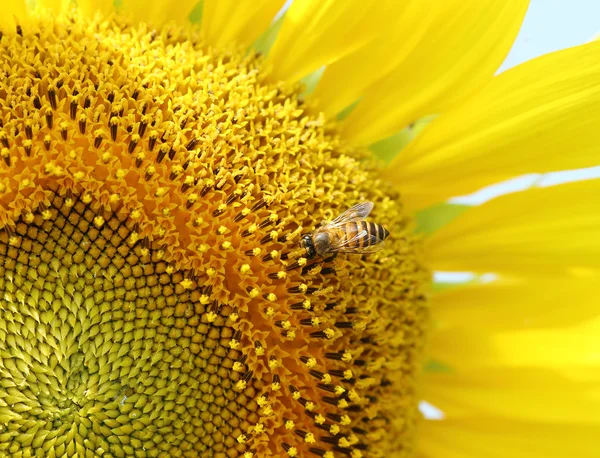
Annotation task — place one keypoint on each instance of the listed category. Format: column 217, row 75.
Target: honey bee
column 348, row 233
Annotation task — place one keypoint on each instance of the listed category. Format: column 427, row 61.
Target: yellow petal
column 12, row 14
column 559, row 348
column 496, row 437
column 520, row 393
column 540, row 116
column 158, row 12
column 90, row 7
column 318, row 32
column 54, row 5
column 463, row 47
column 345, row 80
column 536, row 232
column 518, row 304
column 237, row 21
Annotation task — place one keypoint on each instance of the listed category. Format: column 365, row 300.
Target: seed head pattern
column 154, row 299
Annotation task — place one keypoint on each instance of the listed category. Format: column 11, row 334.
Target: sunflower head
column 156, row 300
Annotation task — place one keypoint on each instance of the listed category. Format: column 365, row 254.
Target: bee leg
column 331, row 258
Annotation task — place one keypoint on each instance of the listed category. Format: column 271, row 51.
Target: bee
column 348, row 233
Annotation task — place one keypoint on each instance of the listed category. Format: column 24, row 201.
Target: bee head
column 307, row 243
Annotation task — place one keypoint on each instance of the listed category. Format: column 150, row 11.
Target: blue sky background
column 554, row 24
column 549, row 25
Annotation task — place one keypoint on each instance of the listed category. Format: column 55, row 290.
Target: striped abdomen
column 363, row 234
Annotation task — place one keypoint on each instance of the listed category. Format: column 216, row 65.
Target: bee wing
column 356, row 213
column 346, row 245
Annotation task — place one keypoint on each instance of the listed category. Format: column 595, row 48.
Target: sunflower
column 160, row 163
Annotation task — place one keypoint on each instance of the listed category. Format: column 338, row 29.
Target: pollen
column 155, row 297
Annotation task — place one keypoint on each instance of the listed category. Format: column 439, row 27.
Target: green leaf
column 388, row 148
column 195, row 16
column 311, row 80
column 346, row 111
column 433, row 218
column 436, row 366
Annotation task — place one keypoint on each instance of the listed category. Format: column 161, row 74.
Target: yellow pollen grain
column 309, row 438
column 292, row 452
column 245, row 268
column 330, row 333
column 186, row 283
column 99, row 221
column 311, row 362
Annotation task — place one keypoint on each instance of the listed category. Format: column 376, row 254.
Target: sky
column 554, row 24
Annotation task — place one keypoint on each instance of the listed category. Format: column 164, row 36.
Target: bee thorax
column 322, row 243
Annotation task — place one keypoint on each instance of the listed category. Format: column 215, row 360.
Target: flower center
column 107, row 348
column 155, row 298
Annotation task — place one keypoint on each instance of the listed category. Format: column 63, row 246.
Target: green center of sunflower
column 155, row 301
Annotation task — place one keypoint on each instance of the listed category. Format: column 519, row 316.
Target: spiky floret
column 154, row 301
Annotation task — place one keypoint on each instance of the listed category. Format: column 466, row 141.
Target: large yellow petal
column 237, row 21
column 540, row 116
column 559, row 348
column 54, row 5
column 536, row 232
column 519, row 304
column 463, row 47
column 520, row 393
column 345, row 80
column 495, row 437
column 90, row 7
column 318, row 32
column 12, row 14
column 158, row 12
